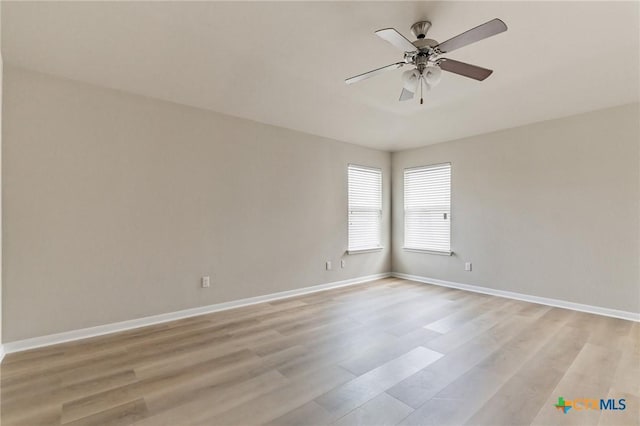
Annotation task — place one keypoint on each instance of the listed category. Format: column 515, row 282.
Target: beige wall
column 549, row 209
column 116, row 205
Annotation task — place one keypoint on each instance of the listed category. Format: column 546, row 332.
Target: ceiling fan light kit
column 424, row 55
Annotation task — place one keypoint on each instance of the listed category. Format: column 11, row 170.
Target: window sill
column 369, row 250
column 436, row 252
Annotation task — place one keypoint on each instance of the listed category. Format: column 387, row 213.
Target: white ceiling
column 284, row 63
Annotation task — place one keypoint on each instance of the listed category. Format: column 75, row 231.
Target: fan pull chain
column 421, row 102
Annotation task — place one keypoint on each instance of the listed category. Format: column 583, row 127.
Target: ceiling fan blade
column 488, row 29
column 395, row 38
column 406, row 95
column 464, row 69
column 373, row 73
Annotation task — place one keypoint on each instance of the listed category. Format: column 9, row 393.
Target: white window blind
column 427, row 208
column 365, row 207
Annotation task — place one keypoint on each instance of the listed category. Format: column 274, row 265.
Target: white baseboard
column 52, row 339
column 633, row 316
column 67, row 336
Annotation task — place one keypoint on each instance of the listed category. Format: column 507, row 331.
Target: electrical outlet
column 205, row 282
column 328, row 265
column 343, row 263
column 467, row 266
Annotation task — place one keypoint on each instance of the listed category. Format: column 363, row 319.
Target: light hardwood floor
column 387, row 352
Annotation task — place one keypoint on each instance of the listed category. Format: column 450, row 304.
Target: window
column 427, row 208
column 365, row 208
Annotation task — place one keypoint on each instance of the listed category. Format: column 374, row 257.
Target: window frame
column 379, row 211
column 450, row 215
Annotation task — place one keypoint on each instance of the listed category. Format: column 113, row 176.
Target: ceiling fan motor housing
column 425, row 44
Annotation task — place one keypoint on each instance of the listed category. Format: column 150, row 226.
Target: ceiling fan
column 424, row 55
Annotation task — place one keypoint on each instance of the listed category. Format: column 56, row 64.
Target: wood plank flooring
column 382, row 353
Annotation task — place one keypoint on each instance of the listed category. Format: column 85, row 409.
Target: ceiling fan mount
column 425, row 55
column 420, row 28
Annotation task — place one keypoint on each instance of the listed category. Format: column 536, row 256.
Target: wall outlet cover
column 205, row 282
